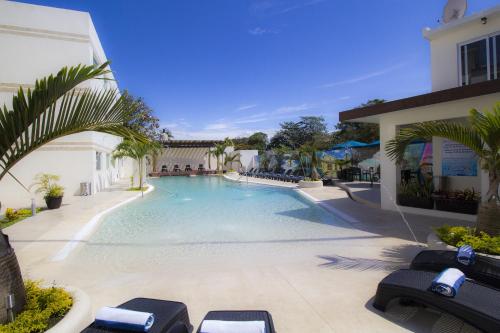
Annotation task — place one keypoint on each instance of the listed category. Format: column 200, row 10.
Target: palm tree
column 54, row 108
column 209, row 154
column 218, row 152
column 483, row 137
column 230, row 158
column 138, row 151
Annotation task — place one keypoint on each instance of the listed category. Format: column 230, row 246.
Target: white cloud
column 293, row 108
column 301, row 5
column 365, row 76
column 246, row 107
column 216, row 126
column 258, row 31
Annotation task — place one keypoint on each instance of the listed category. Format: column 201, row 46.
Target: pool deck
column 322, row 285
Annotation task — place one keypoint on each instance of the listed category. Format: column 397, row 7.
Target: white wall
column 40, row 41
column 450, row 110
column 248, row 158
column 444, row 45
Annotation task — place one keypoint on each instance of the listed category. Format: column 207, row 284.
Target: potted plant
column 413, row 194
column 460, row 201
column 52, row 192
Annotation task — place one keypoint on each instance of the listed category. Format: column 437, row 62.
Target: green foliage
column 54, row 109
column 138, row 189
column 458, row 236
column 415, row 189
column 295, row 134
column 46, row 184
column 258, row 141
column 468, row 194
column 13, row 216
column 44, row 307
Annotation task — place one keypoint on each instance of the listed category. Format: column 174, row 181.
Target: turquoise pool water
column 207, row 215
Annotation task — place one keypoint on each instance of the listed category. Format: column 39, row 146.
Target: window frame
column 489, row 61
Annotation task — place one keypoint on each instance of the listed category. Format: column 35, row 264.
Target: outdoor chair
column 176, row 168
column 474, row 303
column 188, row 168
column 164, row 168
column 201, row 167
column 485, row 270
column 170, row 317
column 242, row 316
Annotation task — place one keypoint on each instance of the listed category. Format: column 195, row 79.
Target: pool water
column 207, row 215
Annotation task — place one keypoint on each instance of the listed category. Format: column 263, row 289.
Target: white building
column 37, row 41
column 465, row 61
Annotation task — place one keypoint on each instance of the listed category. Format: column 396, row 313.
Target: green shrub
column 458, row 236
column 44, row 308
column 11, row 214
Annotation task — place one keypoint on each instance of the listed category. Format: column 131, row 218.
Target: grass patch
column 44, row 308
column 458, row 236
column 137, row 189
column 12, row 216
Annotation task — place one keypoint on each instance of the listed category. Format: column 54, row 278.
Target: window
column 479, row 60
column 98, row 157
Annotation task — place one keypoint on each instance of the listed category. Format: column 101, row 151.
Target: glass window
column 495, row 59
column 98, row 156
column 475, row 59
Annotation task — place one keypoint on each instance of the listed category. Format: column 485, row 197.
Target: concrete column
column 388, row 170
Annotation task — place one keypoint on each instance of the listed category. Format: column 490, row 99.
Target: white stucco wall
column 450, row 110
column 248, row 158
column 444, row 42
column 40, row 41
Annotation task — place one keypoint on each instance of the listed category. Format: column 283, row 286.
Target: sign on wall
column 458, row 160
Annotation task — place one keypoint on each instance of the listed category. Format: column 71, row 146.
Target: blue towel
column 123, row 319
column 466, row 255
column 448, row 282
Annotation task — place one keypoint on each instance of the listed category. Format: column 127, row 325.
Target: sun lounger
column 476, row 304
column 176, row 168
column 170, row 317
column 164, row 168
column 485, row 270
column 242, row 316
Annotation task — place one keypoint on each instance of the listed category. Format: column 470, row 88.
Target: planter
column 310, row 183
column 417, row 202
column 78, row 317
column 457, row 205
column 53, row 202
column 11, row 282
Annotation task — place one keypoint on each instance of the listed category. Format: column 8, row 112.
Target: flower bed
column 413, row 201
column 458, row 236
column 44, row 308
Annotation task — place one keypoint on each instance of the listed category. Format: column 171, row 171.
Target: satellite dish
column 454, row 10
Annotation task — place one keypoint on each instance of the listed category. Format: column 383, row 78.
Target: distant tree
column 364, row 132
column 258, row 140
column 295, row 134
column 140, row 117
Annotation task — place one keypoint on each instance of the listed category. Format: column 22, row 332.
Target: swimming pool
column 199, row 216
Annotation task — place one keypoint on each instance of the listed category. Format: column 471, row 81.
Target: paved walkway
column 315, row 286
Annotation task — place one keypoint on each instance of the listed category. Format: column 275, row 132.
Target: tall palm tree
column 482, row 136
column 209, row 154
column 52, row 109
column 218, row 152
column 230, row 158
column 138, row 151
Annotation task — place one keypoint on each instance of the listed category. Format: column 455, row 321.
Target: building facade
column 37, row 41
column 465, row 71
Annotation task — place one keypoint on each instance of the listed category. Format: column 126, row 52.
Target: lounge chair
column 188, row 168
column 176, row 168
column 476, row 304
column 485, row 270
column 164, row 168
column 242, row 316
column 201, row 167
column 170, row 317
column 247, row 173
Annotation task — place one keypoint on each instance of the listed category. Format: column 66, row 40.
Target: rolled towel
column 123, row 319
column 466, row 255
column 223, row 326
column 448, row 282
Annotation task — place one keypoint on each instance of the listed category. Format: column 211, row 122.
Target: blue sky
column 217, row 68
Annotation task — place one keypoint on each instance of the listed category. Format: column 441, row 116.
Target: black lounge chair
column 176, row 168
column 170, row 317
column 188, row 168
column 242, row 316
column 485, row 270
column 164, row 168
column 476, row 304
column 201, row 167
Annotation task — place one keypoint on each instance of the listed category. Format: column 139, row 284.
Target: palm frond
column 54, row 109
column 395, row 148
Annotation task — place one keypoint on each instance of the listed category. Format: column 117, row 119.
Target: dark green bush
column 458, row 236
column 44, row 308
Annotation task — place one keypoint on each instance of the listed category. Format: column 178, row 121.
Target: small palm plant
column 138, row 151
column 231, row 158
column 52, row 109
column 218, row 152
column 483, row 137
